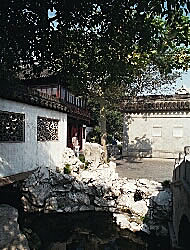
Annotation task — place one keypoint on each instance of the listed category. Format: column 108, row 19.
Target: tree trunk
column 103, row 126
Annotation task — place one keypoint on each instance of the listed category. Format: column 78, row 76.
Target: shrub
column 82, row 158
column 120, row 147
column 67, row 169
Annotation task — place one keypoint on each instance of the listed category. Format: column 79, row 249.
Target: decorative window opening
column 47, row 129
column 157, row 131
column 178, row 131
column 50, row 91
column 12, row 127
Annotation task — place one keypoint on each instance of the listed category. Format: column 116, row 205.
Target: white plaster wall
column 20, row 157
column 139, row 128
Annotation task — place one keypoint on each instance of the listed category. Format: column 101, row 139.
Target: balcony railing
column 31, row 96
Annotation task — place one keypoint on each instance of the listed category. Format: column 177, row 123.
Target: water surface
column 83, row 231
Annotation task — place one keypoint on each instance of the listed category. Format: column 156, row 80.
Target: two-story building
column 52, row 86
column 36, row 126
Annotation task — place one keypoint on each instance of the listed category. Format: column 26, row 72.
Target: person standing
column 75, row 144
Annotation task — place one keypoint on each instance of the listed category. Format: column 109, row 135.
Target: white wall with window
column 163, row 133
column 156, row 131
column 30, row 136
column 178, row 131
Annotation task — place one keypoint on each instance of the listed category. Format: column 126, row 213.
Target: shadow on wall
column 8, row 168
column 139, row 148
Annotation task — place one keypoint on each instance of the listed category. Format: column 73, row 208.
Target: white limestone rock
column 139, row 208
column 149, row 186
column 135, row 227
column 93, row 153
column 122, row 220
column 130, row 186
column 125, row 200
column 116, row 191
column 98, row 188
column 68, row 157
column 102, row 174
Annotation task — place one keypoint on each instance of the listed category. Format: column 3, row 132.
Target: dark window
column 12, row 127
column 63, row 93
column 47, row 129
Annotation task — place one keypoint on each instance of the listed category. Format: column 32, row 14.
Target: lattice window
column 12, row 127
column 47, row 129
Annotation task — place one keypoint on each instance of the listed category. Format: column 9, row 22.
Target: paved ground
column 149, row 168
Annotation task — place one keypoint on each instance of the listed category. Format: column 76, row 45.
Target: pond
column 83, row 231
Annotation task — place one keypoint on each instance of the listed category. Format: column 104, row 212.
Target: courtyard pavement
column 150, row 168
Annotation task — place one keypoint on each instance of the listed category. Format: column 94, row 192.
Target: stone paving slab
column 150, row 168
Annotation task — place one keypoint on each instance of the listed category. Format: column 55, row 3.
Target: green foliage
column 82, row 158
column 111, row 43
column 94, row 136
column 94, row 41
column 86, row 165
column 114, row 124
column 67, row 169
column 120, row 147
column 142, row 218
column 145, row 219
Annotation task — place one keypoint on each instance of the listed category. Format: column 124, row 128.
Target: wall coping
column 155, row 103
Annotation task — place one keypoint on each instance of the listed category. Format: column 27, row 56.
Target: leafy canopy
column 106, row 44
column 96, row 42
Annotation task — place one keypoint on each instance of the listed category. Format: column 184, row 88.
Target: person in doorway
column 75, row 144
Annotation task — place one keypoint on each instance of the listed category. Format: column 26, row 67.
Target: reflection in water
column 81, row 231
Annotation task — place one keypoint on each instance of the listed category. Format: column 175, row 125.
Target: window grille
column 12, row 127
column 47, row 129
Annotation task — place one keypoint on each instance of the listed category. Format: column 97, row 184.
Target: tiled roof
column 21, row 93
column 157, row 103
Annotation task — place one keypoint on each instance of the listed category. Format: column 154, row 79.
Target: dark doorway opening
column 183, row 236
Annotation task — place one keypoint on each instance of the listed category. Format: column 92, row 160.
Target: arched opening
column 184, row 233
